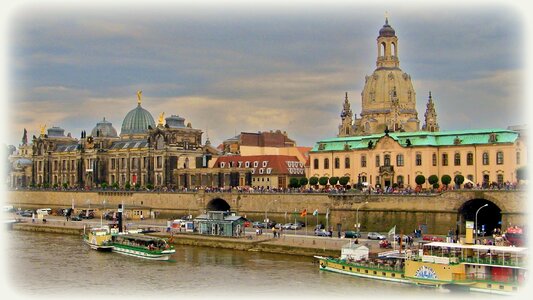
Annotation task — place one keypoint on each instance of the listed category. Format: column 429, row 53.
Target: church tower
column 430, row 116
column 388, row 97
column 347, row 128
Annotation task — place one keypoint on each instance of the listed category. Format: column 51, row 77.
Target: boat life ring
column 323, row 265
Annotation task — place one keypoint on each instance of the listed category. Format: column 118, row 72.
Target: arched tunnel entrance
column 218, row 204
column 488, row 217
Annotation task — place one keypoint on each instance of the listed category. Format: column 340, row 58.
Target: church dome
column 387, row 30
column 104, row 129
column 137, row 121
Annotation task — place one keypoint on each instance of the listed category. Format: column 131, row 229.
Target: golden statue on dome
column 161, row 116
column 43, row 128
column 139, row 97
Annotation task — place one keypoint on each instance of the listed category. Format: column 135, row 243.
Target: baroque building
column 144, row 154
column 386, row 146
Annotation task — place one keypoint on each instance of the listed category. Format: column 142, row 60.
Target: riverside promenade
column 287, row 243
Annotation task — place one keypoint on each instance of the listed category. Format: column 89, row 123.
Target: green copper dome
column 137, row 121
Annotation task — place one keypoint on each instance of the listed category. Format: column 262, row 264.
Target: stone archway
column 489, row 217
column 218, row 204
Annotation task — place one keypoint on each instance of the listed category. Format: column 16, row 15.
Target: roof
column 422, row 138
column 129, row 144
column 263, row 164
column 478, row 247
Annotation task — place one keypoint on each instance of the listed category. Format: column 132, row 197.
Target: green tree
column 313, row 180
column 435, row 185
column 420, row 179
column 446, row 179
column 323, row 180
column 333, row 180
column 433, row 179
column 344, row 180
column 103, row 185
column 115, row 185
column 65, row 185
column 127, row 186
column 137, row 186
column 303, row 181
column 294, row 182
column 459, row 179
column 149, row 186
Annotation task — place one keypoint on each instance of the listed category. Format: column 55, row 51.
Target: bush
column 149, row 186
column 433, row 179
column 294, row 182
column 115, row 185
column 446, row 179
column 333, row 180
column 103, row 185
column 459, row 179
column 420, row 179
column 127, row 186
column 435, row 185
column 303, row 181
column 65, row 185
column 323, row 180
column 313, row 180
column 344, row 180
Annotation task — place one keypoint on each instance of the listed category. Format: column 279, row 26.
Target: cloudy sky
column 242, row 67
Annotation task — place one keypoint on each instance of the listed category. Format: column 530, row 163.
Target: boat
column 99, row 238
column 132, row 243
column 143, row 246
column 478, row 268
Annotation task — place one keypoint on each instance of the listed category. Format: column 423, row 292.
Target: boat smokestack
column 119, row 217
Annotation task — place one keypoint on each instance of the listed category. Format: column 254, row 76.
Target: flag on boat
column 315, row 213
column 392, row 231
column 303, row 213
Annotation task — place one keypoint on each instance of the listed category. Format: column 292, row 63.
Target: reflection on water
column 61, row 265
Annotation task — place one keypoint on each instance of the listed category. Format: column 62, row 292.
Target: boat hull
column 98, row 247
column 143, row 253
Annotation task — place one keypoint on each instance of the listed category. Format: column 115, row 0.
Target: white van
column 44, row 211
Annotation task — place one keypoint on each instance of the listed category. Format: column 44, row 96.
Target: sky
column 242, row 67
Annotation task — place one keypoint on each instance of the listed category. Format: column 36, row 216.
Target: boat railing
column 378, row 264
column 494, row 261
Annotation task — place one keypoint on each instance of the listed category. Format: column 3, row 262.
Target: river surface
column 61, row 266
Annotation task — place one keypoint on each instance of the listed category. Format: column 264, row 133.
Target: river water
column 61, row 266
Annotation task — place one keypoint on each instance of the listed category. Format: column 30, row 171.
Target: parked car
column 319, row 226
column 296, row 226
column 86, row 215
column 432, row 238
column 322, row 232
column 258, row 225
column 287, row 226
column 109, row 215
column 302, row 224
column 26, row 213
column 352, row 234
column 375, row 236
column 405, row 238
column 75, row 218
column 270, row 224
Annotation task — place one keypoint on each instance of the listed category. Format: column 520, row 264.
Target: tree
column 435, row 185
column 149, row 186
column 127, row 186
column 459, row 179
column 115, row 185
column 303, row 181
column 294, row 182
column 344, row 180
column 433, row 179
column 323, row 180
column 521, row 173
column 446, row 179
column 420, row 179
column 104, row 185
column 313, row 180
column 333, row 180
column 137, row 186
column 65, row 185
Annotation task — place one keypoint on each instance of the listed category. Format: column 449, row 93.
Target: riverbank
column 286, row 244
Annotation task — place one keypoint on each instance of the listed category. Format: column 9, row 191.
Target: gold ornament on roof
column 161, row 116
column 43, row 128
column 139, row 97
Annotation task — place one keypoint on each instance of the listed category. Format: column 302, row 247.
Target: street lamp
column 476, row 219
column 266, row 209
column 357, row 215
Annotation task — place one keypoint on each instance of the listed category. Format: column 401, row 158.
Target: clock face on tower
column 90, row 140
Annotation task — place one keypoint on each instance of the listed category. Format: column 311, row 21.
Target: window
column 444, row 159
column 399, row 180
column 386, row 160
column 457, row 159
column 113, row 164
column 434, row 159
column 326, row 163
column 470, row 177
column 469, row 159
column 337, row 163
column 315, row 163
column 222, row 164
column 265, row 163
column 377, row 161
column 256, row 163
column 247, row 164
column 485, row 158
column 517, row 158
column 55, row 165
column 500, row 178
column 399, row 160
column 363, row 161
column 418, row 159
column 159, row 162
column 347, row 162
column 499, row 158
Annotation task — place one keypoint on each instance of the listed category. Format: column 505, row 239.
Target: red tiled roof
column 279, row 164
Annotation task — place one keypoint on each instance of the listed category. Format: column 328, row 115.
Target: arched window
column 315, row 163
column 393, row 50
column 386, row 160
column 418, row 159
column 499, row 158
column 337, row 163
column 457, row 159
column 347, row 162
column 485, row 158
column 444, row 159
column 326, row 163
column 469, row 159
column 383, row 49
column 399, row 160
